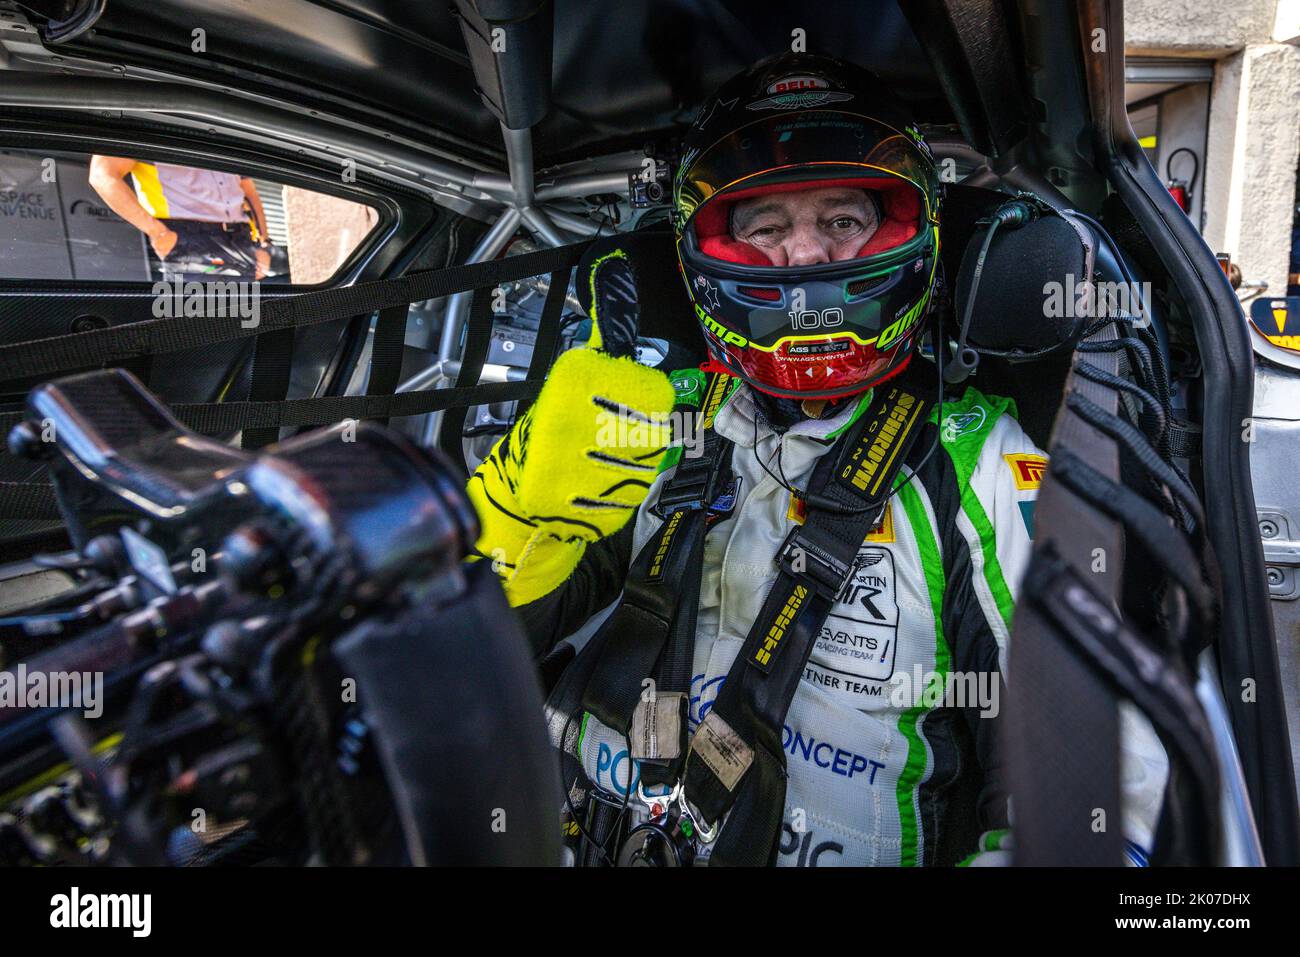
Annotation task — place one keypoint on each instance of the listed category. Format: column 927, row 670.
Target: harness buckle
column 693, row 486
column 804, row 559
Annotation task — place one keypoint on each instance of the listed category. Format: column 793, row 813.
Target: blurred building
column 321, row 231
column 1213, row 92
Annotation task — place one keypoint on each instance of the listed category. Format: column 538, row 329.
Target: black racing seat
column 1030, row 308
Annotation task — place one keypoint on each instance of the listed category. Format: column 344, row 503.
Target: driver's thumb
column 615, row 315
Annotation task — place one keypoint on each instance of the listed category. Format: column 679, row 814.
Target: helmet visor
column 843, row 144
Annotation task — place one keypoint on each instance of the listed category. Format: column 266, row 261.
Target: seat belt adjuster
column 693, row 486
column 809, row 563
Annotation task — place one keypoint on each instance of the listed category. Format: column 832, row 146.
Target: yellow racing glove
column 577, row 465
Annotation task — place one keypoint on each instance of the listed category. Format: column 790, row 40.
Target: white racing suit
column 878, row 773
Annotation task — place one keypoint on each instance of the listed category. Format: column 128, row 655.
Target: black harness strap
column 386, row 346
column 642, row 622
column 736, row 763
column 272, row 364
column 697, row 484
column 652, row 632
column 36, row 358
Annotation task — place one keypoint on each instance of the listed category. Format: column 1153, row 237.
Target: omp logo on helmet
column 665, row 543
column 900, row 326
column 719, row 330
column 772, row 642
column 870, row 460
column 796, row 92
column 1026, row 469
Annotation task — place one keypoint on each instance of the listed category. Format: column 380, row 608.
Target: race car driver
column 807, row 212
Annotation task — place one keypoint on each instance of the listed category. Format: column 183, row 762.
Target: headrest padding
column 1013, row 300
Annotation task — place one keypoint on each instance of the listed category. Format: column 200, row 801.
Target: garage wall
column 1254, row 146
column 1184, row 122
column 1246, row 200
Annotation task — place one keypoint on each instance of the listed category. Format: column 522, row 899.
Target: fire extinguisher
column 1181, row 189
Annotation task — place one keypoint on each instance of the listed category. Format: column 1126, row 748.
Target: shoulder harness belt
column 652, row 632
column 734, row 762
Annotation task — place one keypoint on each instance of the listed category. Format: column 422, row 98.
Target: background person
column 194, row 219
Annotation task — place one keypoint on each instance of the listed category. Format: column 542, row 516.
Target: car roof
column 624, row 73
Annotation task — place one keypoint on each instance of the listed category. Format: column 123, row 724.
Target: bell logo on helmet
column 791, row 84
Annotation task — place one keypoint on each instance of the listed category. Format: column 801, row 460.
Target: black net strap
column 548, row 331
column 386, row 347
column 36, row 358
column 28, row 500
column 478, row 337
column 266, row 411
column 272, row 365
column 35, row 500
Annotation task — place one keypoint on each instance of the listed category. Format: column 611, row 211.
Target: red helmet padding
column 900, row 200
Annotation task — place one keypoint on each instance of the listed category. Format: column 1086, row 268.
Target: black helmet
column 798, row 122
